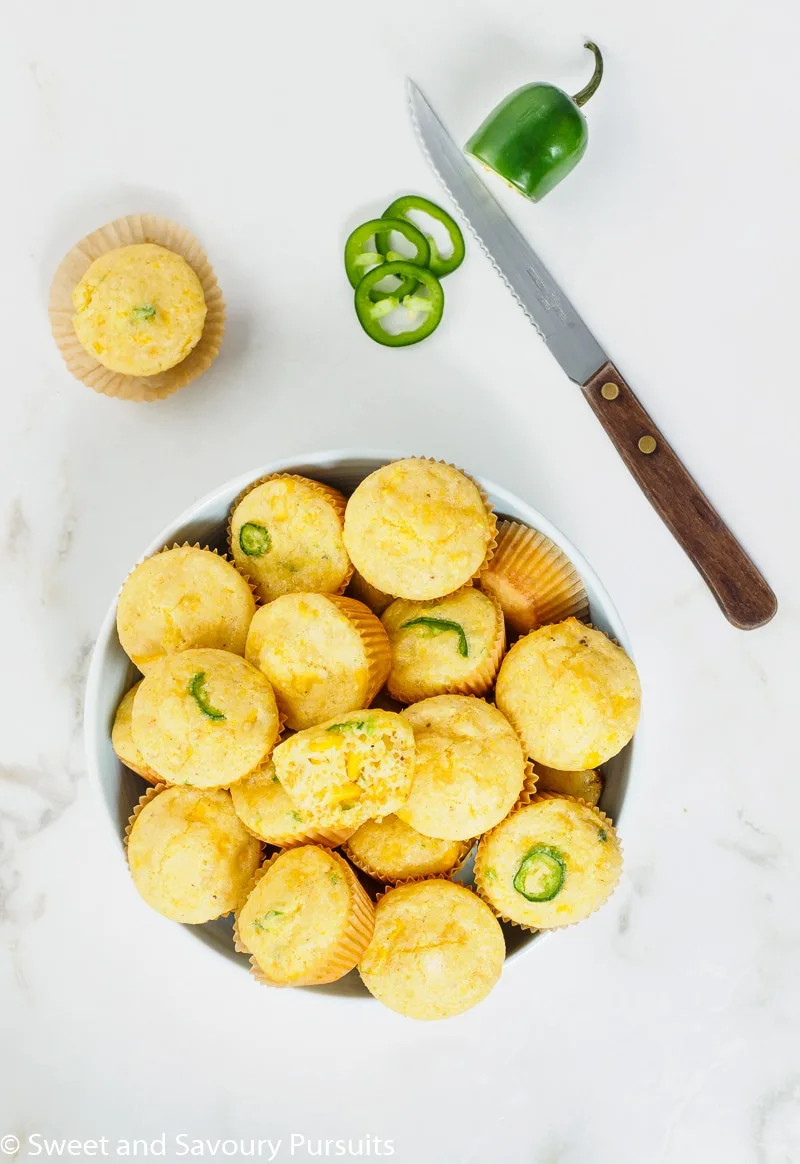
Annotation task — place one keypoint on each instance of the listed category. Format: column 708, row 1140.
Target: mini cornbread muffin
column 181, row 598
column 205, row 718
column 449, row 645
column 350, row 769
column 375, row 599
column 139, row 310
column 418, row 529
column 190, row 856
column 265, row 809
column 122, row 739
column 586, row 785
column 323, row 654
column 572, row 695
column 469, row 771
column 390, row 851
column 532, row 579
column 286, row 534
column 437, row 950
column 551, row 863
column 307, row 921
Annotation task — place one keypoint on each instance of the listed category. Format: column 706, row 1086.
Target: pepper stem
column 597, row 76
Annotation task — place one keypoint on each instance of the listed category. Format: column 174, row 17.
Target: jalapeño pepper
column 537, row 135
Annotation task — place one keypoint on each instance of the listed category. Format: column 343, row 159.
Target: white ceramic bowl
column 111, row 673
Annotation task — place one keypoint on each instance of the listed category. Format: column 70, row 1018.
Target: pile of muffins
column 340, row 689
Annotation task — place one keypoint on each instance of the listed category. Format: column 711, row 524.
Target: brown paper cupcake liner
column 547, row 586
column 481, row 679
column 373, row 636
column 419, row 880
column 144, row 799
column 351, row 946
column 337, row 501
column 465, row 848
column 606, row 822
column 122, row 232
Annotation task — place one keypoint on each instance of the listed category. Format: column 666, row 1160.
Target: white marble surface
column 666, row 1029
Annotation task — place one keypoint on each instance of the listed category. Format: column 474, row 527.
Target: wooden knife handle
column 741, row 591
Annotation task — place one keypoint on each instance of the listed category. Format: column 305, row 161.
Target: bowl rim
column 331, row 459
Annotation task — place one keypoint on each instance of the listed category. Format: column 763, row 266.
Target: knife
column 742, row 592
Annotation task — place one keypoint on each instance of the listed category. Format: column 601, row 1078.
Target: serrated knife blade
column 526, row 276
column 741, row 591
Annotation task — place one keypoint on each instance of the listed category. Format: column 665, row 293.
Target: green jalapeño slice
column 360, row 257
column 197, row 690
column 440, row 264
column 437, row 626
column 426, row 309
column 541, row 874
column 254, row 539
column 352, row 725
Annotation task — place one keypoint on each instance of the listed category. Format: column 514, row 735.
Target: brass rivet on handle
column 609, row 391
column 647, row 444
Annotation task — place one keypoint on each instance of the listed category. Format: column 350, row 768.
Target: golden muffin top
column 139, row 310
column 446, row 645
column 390, row 850
column 181, row 598
column 122, row 737
column 469, row 769
column 324, row 655
column 205, row 718
column 417, row 529
column 190, row 856
column 350, row 769
column 436, row 951
column 572, row 694
column 296, row 919
column 286, row 534
column 549, row 864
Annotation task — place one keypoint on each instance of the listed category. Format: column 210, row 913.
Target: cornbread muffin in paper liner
column 419, row 528
column 470, row 767
column 183, row 597
column 360, row 589
column 285, row 532
column 551, row 863
column 190, row 857
column 122, row 738
column 324, row 654
column 306, row 921
column 572, row 695
column 351, row 769
column 266, row 810
column 532, row 579
column 446, row 646
column 390, row 851
column 583, row 785
column 205, row 718
column 436, row 951
column 124, row 232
